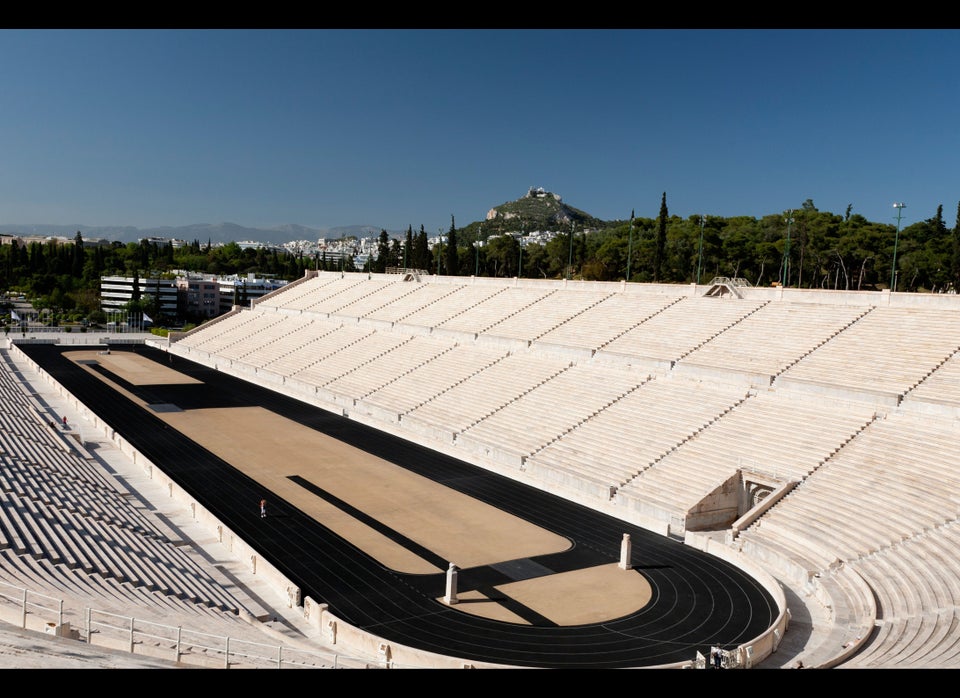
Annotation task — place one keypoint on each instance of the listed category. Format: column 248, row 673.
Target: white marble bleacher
column 289, row 293
column 102, row 549
column 615, row 445
column 331, row 299
column 304, row 294
column 18, row 529
column 940, row 549
column 66, row 537
column 939, row 392
column 871, row 356
column 390, row 367
column 480, row 317
column 53, row 452
column 89, row 498
column 163, row 622
column 54, row 499
column 482, row 393
column 435, row 314
column 14, row 402
column 546, row 314
column 677, row 330
column 299, row 348
column 149, row 561
column 781, row 438
column 428, row 380
column 422, row 297
column 935, row 605
column 30, row 448
column 13, row 392
column 602, row 323
column 263, row 328
column 549, row 410
column 219, row 336
column 947, row 653
column 768, row 341
column 898, row 607
column 331, row 337
column 912, row 590
column 859, row 497
column 293, row 332
column 367, row 347
column 12, row 421
column 378, row 297
column 88, row 583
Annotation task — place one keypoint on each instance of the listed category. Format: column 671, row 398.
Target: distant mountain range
column 538, row 209
column 201, row 232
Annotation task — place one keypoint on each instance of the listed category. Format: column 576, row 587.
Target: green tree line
column 64, row 277
column 801, row 248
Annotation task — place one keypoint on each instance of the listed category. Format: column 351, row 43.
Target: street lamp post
column 700, row 249
column 520, row 263
column 476, row 244
column 629, row 246
column 893, row 269
column 786, row 253
column 570, row 256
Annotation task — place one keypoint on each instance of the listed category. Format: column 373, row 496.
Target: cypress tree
column 955, row 257
column 661, row 239
column 421, row 250
column 408, row 247
column 451, row 251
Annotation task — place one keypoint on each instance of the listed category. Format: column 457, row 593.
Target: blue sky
column 408, row 127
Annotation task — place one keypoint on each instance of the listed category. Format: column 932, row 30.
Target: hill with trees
column 539, row 236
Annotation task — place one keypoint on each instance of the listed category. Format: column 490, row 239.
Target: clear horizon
column 398, row 128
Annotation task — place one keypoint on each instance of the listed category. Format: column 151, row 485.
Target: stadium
column 475, row 472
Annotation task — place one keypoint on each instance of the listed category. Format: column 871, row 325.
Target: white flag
column 14, row 316
column 146, row 318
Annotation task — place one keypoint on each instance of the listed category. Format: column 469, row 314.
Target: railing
column 728, row 281
column 176, row 643
column 22, row 597
column 196, row 647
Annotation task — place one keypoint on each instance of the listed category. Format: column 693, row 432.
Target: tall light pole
column 476, row 244
column 520, row 263
column 700, row 248
column 570, row 256
column 629, row 246
column 786, row 252
column 893, row 269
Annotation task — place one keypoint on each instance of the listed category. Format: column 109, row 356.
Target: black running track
column 699, row 601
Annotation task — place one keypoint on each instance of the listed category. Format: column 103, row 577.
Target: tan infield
column 270, row 449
